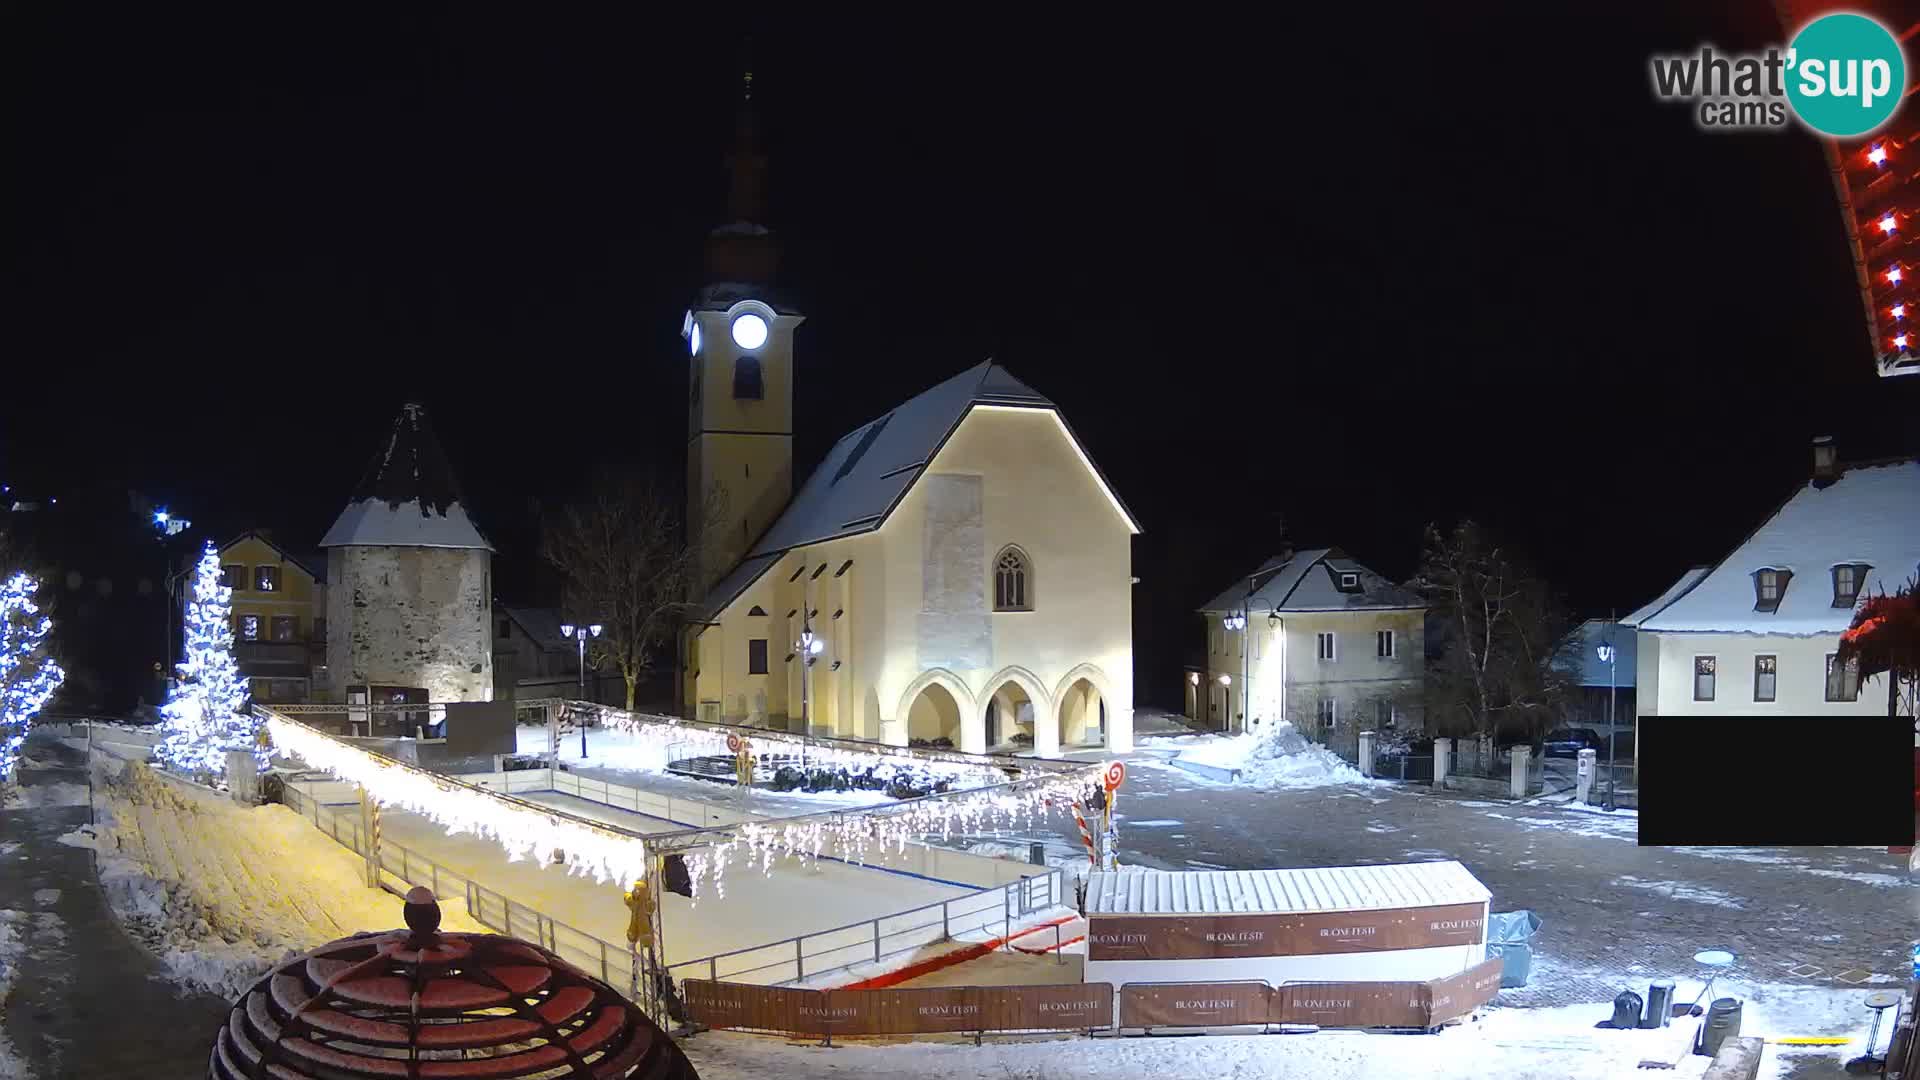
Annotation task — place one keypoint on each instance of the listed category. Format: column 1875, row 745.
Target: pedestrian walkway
column 87, row 1001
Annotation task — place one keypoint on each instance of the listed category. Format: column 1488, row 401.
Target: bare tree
column 626, row 564
column 1501, row 664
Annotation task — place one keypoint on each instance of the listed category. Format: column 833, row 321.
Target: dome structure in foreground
column 417, row 1003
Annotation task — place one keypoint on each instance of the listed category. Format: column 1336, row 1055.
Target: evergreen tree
column 28, row 673
column 206, row 713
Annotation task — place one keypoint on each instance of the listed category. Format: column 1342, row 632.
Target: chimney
column 1826, row 461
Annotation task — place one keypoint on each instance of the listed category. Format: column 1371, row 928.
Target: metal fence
column 871, row 941
column 615, row 964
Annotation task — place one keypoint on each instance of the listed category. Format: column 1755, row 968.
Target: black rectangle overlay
column 1776, row 781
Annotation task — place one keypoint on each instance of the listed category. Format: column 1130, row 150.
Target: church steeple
column 739, row 333
column 742, row 250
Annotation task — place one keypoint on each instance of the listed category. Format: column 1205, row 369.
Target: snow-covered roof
column 1310, row 581
column 870, row 469
column 1674, row 592
column 1592, row 671
column 408, row 497
column 1870, row 515
column 1305, row 889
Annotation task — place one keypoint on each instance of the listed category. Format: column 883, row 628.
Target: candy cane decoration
column 1086, row 836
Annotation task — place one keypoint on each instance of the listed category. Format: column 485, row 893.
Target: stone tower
column 409, row 577
column 740, row 377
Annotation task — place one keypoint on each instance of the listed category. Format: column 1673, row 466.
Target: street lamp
column 169, row 526
column 809, row 646
column 580, row 634
column 1607, row 657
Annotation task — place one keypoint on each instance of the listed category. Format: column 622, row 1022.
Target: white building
column 1757, row 632
column 1315, row 638
column 956, row 569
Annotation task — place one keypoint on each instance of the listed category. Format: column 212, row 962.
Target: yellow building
column 279, row 626
column 954, row 571
column 1316, row 639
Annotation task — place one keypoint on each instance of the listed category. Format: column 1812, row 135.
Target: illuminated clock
column 749, row 331
column 693, row 338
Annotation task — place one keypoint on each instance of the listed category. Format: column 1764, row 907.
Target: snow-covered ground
column 218, row 891
column 15, row 926
column 1275, row 757
column 1501, row 1044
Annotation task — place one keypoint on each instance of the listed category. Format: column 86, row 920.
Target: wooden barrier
column 928, row 1010
column 1087, row 1006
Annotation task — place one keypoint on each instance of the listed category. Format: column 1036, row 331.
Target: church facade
column 956, row 571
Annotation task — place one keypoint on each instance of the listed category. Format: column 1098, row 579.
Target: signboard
column 1212, row 937
column 1229, row 1004
column 900, row 1011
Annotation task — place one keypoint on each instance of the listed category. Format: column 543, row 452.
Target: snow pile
column 221, row 892
column 13, row 948
column 1276, row 757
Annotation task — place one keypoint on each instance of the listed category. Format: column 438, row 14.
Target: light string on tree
column 206, row 714
column 29, row 675
column 522, row 829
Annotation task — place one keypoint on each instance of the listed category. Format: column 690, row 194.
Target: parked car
column 1569, row 741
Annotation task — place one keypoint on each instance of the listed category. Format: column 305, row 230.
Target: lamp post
column 580, row 634
column 1237, row 621
column 1607, row 657
column 809, row 646
column 169, row 526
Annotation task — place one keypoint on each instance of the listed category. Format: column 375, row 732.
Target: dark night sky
column 1364, row 274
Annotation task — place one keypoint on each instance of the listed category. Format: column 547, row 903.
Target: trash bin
column 1722, row 1023
column 1507, row 937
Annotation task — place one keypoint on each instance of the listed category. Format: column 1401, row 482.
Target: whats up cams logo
column 1842, row 75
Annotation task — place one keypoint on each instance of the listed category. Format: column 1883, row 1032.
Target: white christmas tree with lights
column 28, row 673
column 206, row 713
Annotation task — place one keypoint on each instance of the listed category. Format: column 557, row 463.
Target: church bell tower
column 739, row 336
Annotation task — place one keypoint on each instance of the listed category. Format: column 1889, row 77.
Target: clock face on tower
column 749, row 331
column 693, row 338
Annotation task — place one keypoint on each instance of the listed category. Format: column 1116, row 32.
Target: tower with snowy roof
column 409, row 600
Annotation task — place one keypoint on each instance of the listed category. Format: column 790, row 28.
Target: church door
column 993, row 723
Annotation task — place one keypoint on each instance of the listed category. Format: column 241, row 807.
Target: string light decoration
column 856, row 835
column 664, row 738
column 28, row 672
column 206, row 713
column 524, row 830
column 1878, row 189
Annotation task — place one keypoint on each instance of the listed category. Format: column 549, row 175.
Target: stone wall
column 405, row 616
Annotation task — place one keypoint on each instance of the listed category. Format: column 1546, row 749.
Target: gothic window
column 1012, row 581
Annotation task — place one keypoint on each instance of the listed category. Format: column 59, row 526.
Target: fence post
column 946, row 933
column 876, row 941
column 1365, row 753
column 1517, row 782
column 1006, row 914
column 799, row 961
column 1442, row 761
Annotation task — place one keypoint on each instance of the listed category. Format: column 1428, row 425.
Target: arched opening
column 1083, row 716
column 1010, row 717
column 933, row 717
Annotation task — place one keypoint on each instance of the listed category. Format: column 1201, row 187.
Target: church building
column 956, row 572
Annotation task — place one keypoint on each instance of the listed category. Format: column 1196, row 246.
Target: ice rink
column 795, row 897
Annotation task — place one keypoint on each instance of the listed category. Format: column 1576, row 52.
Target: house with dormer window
column 1758, row 631
column 1317, row 639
